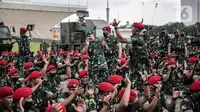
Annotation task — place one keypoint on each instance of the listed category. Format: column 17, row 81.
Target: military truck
column 73, row 33
column 6, row 39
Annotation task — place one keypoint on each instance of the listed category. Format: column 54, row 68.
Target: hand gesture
column 81, row 105
column 87, row 41
column 175, row 94
column 20, row 106
column 157, row 93
column 90, row 90
column 115, row 23
column 106, row 100
column 57, row 107
column 127, row 80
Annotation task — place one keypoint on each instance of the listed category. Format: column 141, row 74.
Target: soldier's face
column 158, row 84
column 15, row 75
column 8, row 100
column 84, row 79
column 106, row 33
column 53, row 71
column 91, row 37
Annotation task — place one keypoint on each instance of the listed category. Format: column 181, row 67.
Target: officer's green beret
column 88, row 32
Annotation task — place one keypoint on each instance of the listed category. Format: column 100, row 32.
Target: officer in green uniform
column 114, row 52
column 138, row 53
column 163, row 42
column 178, row 47
column 98, row 69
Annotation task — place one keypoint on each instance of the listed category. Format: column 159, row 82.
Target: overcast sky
column 130, row 10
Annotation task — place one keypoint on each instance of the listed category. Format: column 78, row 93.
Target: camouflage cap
column 88, row 32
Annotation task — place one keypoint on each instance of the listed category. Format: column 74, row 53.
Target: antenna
column 142, row 9
column 107, row 11
column 154, row 13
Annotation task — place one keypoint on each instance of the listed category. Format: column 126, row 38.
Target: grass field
column 34, row 46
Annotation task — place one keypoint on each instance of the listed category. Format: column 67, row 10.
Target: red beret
column 132, row 97
column 114, row 79
column 84, row 57
column 11, row 72
column 192, row 60
column 154, row 79
column 153, row 54
column 4, row 52
column 41, row 57
column 51, row 53
column 171, row 56
column 22, row 92
column 171, row 62
column 28, row 64
column 64, row 53
column 39, row 52
column 6, row 91
column 23, row 29
column 195, row 86
column 70, row 51
column 50, row 67
column 3, row 62
column 106, row 87
column 10, row 64
column 165, row 58
column 108, row 28
column 82, row 73
column 34, row 75
column 76, row 51
column 123, row 61
column 73, row 83
column 10, row 53
column 76, row 55
column 16, row 53
column 138, row 25
column 49, row 109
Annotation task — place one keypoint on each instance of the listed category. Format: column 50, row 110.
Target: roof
column 40, row 6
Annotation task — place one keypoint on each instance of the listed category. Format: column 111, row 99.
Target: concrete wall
column 43, row 21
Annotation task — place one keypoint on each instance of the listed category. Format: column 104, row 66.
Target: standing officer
column 114, row 52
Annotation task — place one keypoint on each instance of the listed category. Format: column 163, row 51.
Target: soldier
column 163, row 43
column 13, row 80
column 98, row 69
column 138, row 53
column 6, row 99
column 39, row 93
column 159, row 100
column 191, row 103
column 178, row 47
column 83, row 65
column 114, row 50
column 23, row 96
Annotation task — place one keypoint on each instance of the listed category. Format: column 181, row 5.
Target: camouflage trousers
column 112, row 64
column 20, row 66
column 98, row 72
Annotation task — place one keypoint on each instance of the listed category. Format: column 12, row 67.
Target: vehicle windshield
column 4, row 32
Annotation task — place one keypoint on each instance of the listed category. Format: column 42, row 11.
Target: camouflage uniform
column 178, row 48
column 39, row 98
column 190, row 103
column 10, row 82
column 111, row 54
column 138, row 59
column 98, row 70
column 51, row 85
column 163, row 44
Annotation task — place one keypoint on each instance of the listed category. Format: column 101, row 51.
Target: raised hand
column 115, row 23
column 20, row 105
column 81, row 105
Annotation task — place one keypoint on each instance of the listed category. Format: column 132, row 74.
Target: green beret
column 88, row 32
